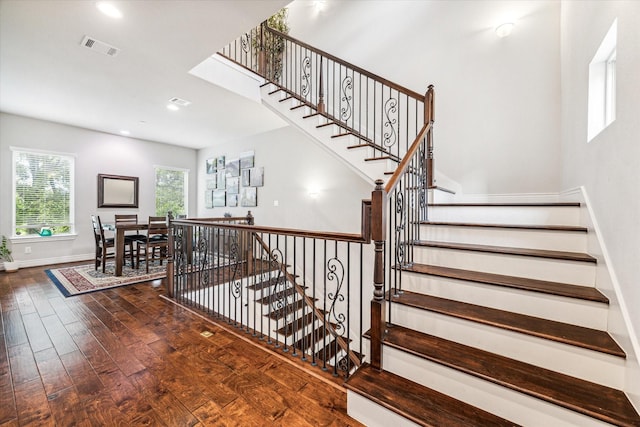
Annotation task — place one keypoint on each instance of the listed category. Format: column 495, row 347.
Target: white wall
column 497, row 100
column 293, row 164
column 609, row 166
column 95, row 153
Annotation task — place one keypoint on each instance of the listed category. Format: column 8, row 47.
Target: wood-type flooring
column 126, row 357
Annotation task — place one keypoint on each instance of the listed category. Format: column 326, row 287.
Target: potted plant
column 272, row 45
column 5, row 253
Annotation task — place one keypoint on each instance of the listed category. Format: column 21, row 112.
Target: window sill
column 40, row 239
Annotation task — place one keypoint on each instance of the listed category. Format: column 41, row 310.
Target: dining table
column 120, row 229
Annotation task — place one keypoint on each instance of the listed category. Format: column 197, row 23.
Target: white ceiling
column 46, row 74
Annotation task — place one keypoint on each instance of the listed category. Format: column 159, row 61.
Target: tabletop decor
column 81, row 279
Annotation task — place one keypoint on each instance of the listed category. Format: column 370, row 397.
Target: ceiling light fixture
column 173, row 107
column 125, row 132
column 503, row 30
column 109, row 9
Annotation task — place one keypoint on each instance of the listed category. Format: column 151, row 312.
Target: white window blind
column 43, row 195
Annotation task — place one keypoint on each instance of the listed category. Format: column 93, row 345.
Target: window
column 602, row 85
column 43, row 192
column 171, row 191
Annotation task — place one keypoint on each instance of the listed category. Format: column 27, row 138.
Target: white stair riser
column 506, row 214
column 501, row 401
column 533, row 239
column 371, row 414
column 572, row 272
column 561, row 309
column 571, row 360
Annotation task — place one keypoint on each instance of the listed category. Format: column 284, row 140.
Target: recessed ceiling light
column 173, row 107
column 125, row 132
column 109, row 9
column 503, row 30
column 179, row 101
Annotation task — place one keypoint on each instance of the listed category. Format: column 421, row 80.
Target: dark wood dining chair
column 130, row 238
column 105, row 246
column 156, row 238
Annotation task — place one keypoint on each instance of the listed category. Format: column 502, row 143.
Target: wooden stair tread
column 514, row 226
column 422, row 405
column 553, row 288
column 446, row 190
column 267, row 283
column 325, row 124
column 508, row 250
column 595, row 400
column 579, row 336
column 510, row 204
column 297, row 324
column 282, row 293
column 288, row 309
column 313, row 338
column 372, row 159
column 311, row 115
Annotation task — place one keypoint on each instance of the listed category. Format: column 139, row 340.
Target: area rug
column 81, row 279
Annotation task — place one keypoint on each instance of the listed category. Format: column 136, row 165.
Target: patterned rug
column 82, row 279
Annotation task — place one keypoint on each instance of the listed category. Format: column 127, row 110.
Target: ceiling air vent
column 179, row 101
column 99, row 47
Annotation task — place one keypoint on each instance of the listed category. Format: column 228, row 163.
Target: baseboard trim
column 55, row 260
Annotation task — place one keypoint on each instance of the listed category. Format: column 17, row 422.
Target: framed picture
column 245, row 177
column 116, row 191
column 232, row 200
column 211, row 184
column 233, row 185
column 249, row 197
column 212, row 166
column 221, row 179
column 220, row 162
column 256, row 177
column 219, row 198
column 247, row 159
column 233, row 167
column 208, row 199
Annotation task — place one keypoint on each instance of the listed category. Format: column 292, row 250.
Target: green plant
column 272, row 44
column 5, row 252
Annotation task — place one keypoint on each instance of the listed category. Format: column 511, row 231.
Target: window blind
column 43, row 192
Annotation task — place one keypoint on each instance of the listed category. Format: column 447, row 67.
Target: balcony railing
column 381, row 114
column 299, row 291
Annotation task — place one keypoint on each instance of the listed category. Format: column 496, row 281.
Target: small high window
column 602, row 84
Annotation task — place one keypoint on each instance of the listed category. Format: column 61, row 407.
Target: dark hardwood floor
column 127, row 357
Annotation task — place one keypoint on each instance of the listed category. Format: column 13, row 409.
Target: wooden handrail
column 404, row 164
column 341, row 237
column 362, row 71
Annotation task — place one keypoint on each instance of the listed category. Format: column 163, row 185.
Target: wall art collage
column 233, row 181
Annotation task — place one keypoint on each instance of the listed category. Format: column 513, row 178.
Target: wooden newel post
column 321, row 107
column 170, row 250
column 378, row 235
column 429, row 117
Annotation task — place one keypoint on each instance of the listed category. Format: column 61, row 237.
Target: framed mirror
column 115, row 191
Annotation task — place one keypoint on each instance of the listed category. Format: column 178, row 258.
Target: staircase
column 499, row 310
column 498, row 320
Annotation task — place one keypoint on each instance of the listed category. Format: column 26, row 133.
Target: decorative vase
column 11, row 267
